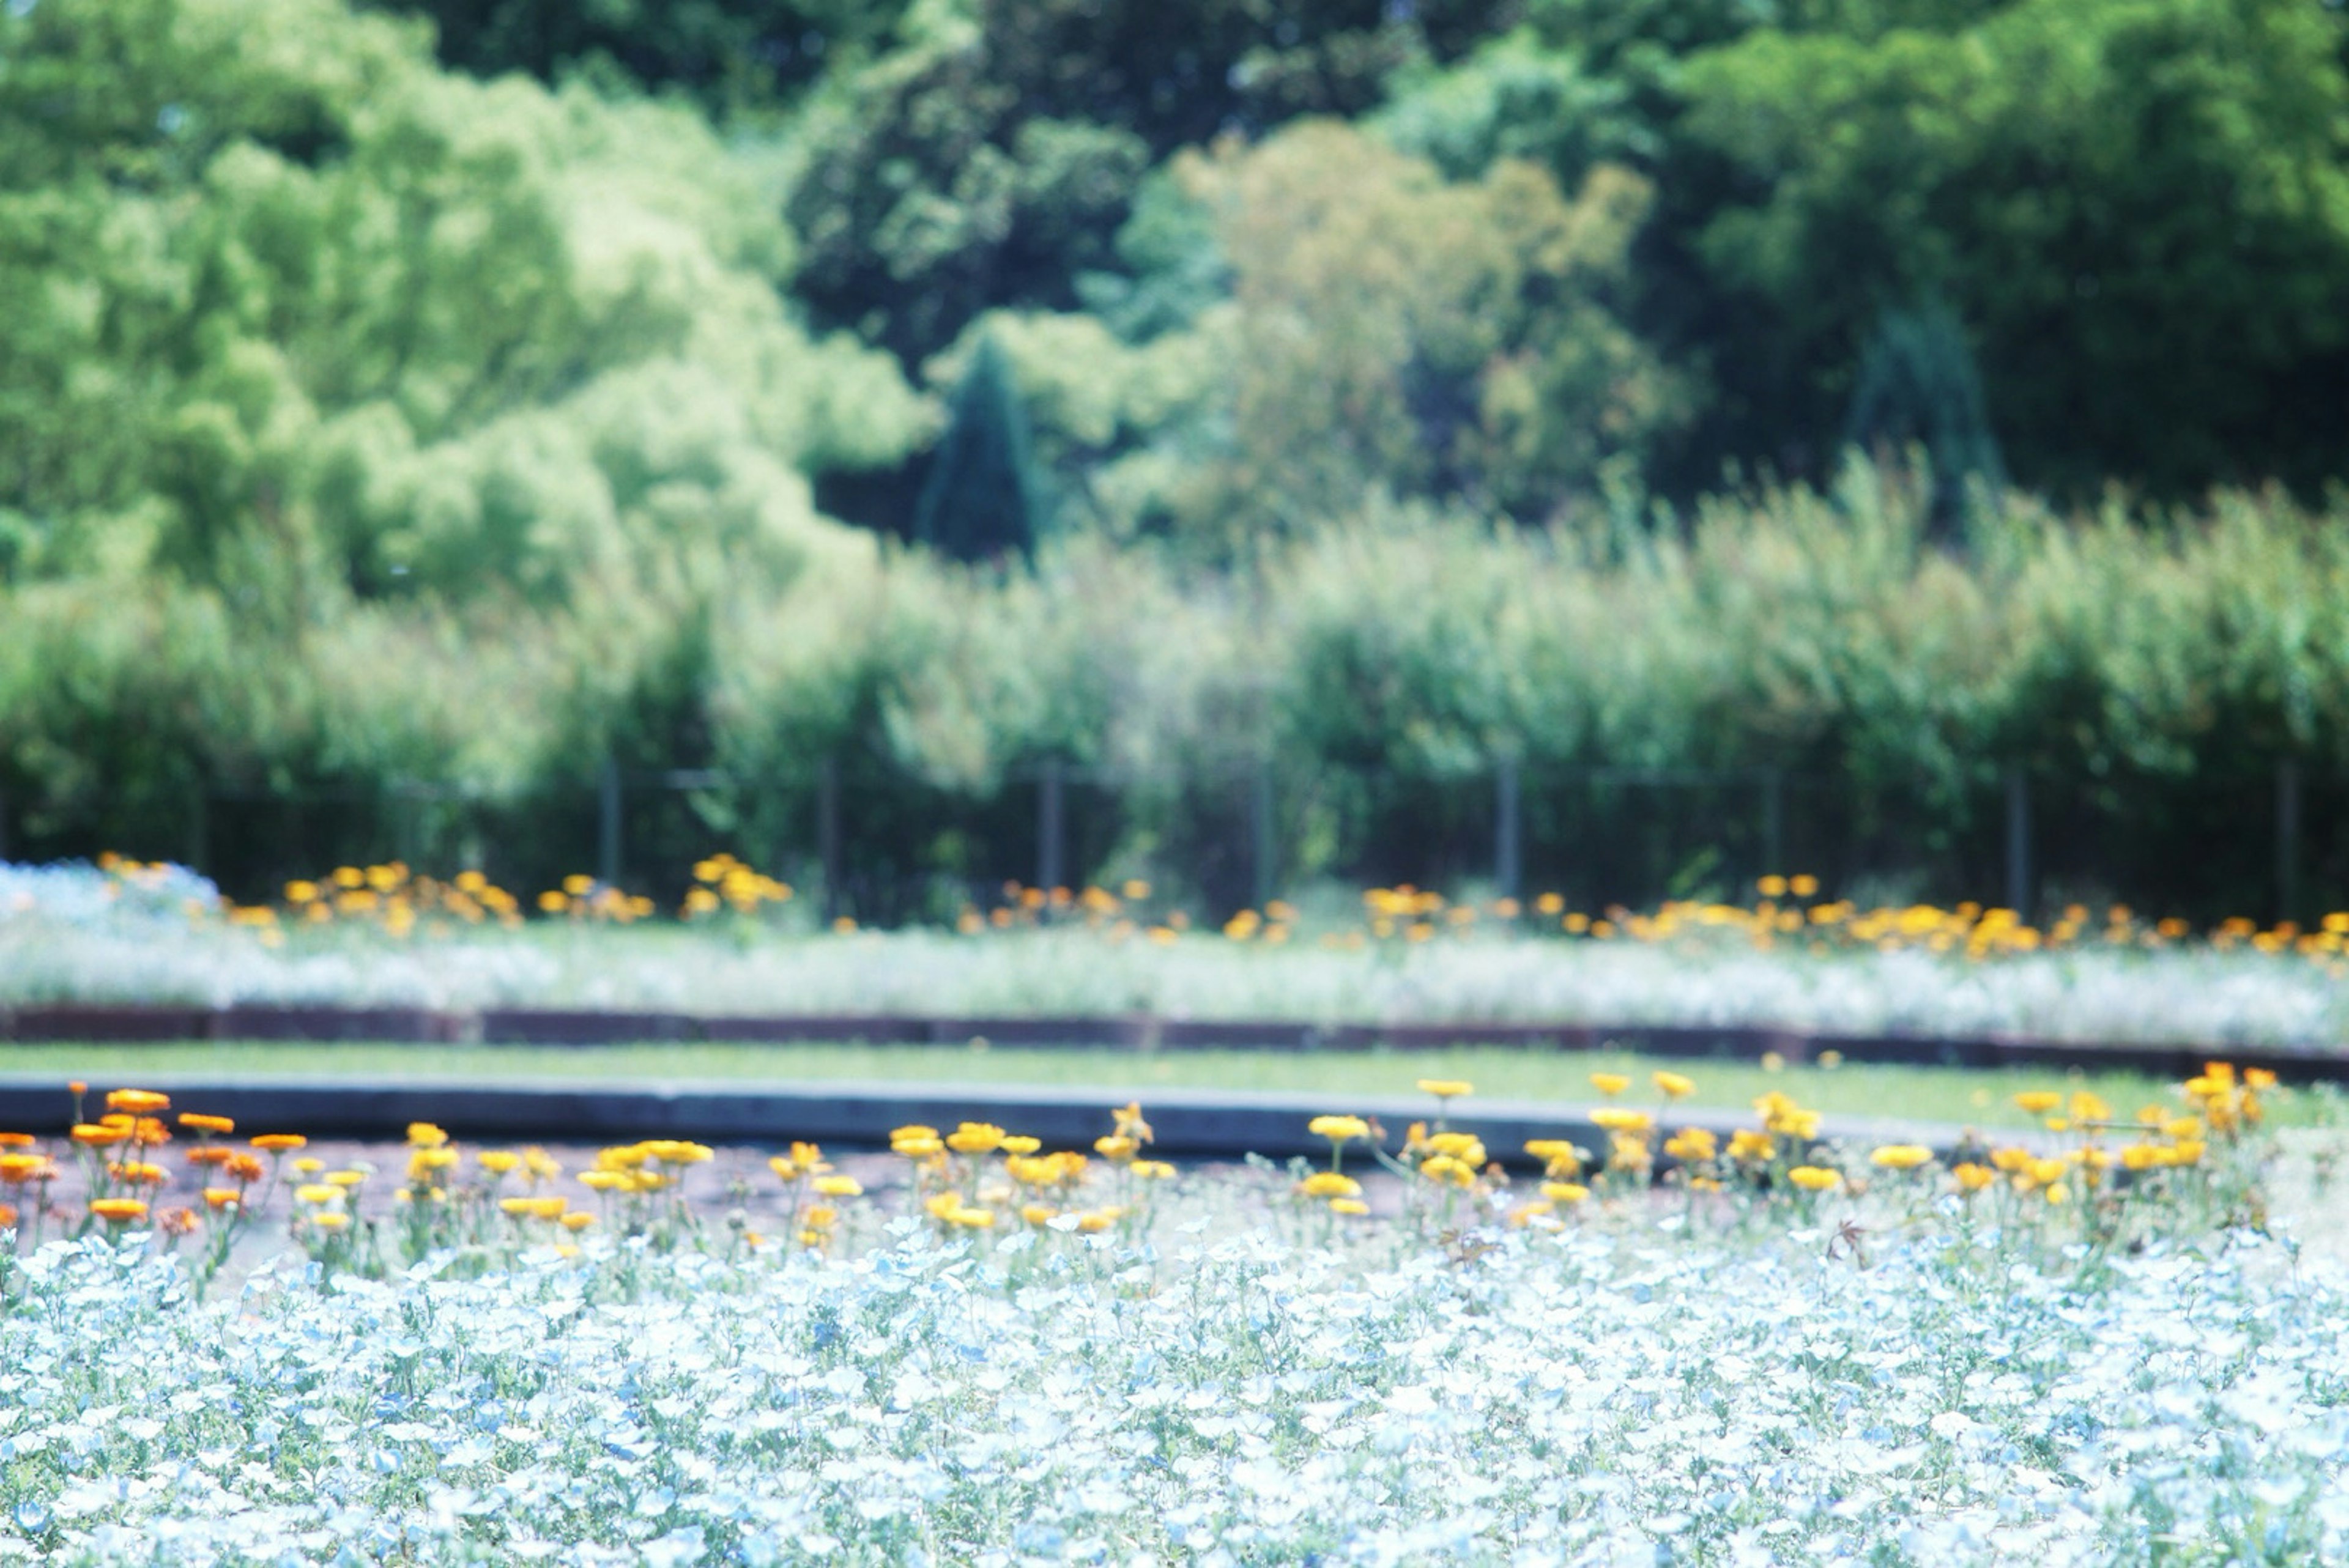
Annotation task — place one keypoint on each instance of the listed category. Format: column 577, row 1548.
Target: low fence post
column 2018, row 843
column 1508, row 829
column 1052, row 827
column 607, row 823
column 2287, row 839
column 827, row 833
column 1263, row 871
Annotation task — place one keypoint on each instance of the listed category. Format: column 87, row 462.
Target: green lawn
column 1981, row 1099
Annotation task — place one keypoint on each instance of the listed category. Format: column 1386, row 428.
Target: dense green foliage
column 406, row 431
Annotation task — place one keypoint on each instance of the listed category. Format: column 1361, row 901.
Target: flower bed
column 1766, row 1350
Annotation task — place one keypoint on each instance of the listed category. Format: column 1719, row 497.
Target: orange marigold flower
column 97, row 1135
column 138, row 1101
column 279, row 1142
column 118, row 1211
column 204, row 1124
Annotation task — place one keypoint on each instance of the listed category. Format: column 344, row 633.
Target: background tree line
column 467, row 391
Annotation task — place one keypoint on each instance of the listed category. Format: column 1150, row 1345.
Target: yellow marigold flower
column 1151, row 1170
column 1020, row 1144
column 2188, row 1152
column 577, row 1219
column 1339, row 1129
column 2057, row 1192
column 1565, row 1192
column 602, row 1180
column 118, row 1211
column 1128, row 1123
column 1973, row 1178
column 1115, row 1145
column 1329, row 1184
column 1619, row 1118
column 678, row 1151
column 974, row 1138
column 912, row 1130
column 2259, row 1078
column 1353, row 1206
column 2141, row 1157
column 278, row 1143
column 1446, row 1089
column 1610, row 1083
column 1751, row 1147
column 916, row 1148
column 1692, row 1144
column 2086, row 1106
column 2038, row 1101
column 1445, row 1168
column 498, row 1162
column 838, row 1186
column 1037, row 1213
column 972, row 1219
column 2014, row 1162
column 1675, row 1086
column 424, row 1135
column 138, row 1172
column 1465, row 1146
column 221, row 1197
column 316, row 1192
column 99, row 1135
column 2044, row 1172
column 308, row 1165
column 330, row 1220
column 138, row 1101
column 1814, row 1178
column 345, row 1178
column 1900, row 1156
column 1551, row 1151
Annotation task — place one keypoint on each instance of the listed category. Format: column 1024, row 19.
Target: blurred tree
column 980, row 503
column 2141, row 206
column 732, row 57
column 1916, row 388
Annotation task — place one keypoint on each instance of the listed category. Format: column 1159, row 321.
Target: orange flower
column 136, row 1172
column 99, row 1136
column 279, row 1142
column 118, row 1211
column 7, row 1217
column 204, row 1124
column 17, row 1141
column 245, row 1168
column 210, row 1154
column 222, row 1196
column 138, row 1101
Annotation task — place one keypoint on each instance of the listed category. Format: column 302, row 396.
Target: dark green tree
column 981, row 501
column 1918, row 387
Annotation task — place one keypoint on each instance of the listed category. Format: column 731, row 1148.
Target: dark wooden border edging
column 140, row 1025
column 1191, row 1124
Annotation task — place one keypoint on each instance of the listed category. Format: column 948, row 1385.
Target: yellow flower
column 1036, row 1214
column 972, row 1219
column 331, row 1219
column 1751, row 1147
column 839, row 1186
column 1446, row 1089
column 1900, row 1156
column 602, row 1180
column 345, row 1178
column 1339, row 1129
column 1814, row 1179
column 1115, row 1145
column 1151, row 1170
column 1465, row 1146
column 1128, row 1123
column 2253, row 1078
column 118, row 1211
column 1610, row 1083
column 316, row 1192
column 498, row 1162
column 974, row 1138
column 916, row 1148
column 1617, row 1119
column 1973, row 1178
column 577, row 1219
column 1565, row 1192
column 308, row 1165
column 1692, row 1144
column 1022, row 1145
column 1445, row 1168
column 424, row 1135
column 1349, row 1206
column 1675, row 1086
column 1329, row 1184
